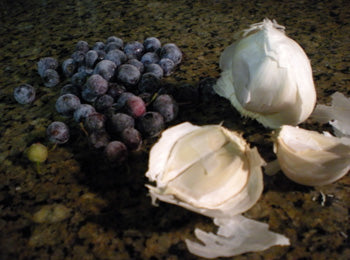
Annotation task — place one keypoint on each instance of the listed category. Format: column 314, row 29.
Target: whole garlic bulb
column 310, row 158
column 267, row 76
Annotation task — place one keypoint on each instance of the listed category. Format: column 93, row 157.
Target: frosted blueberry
column 134, row 49
column 151, row 123
column 128, row 74
column 57, row 132
column 82, row 46
column 99, row 46
column 82, row 112
column 91, row 58
column 149, row 58
column 117, row 56
column 50, row 78
column 103, row 102
column 79, row 78
column 69, row 67
column 167, row 65
column 138, row 64
column 155, row 69
column 78, row 57
column 106, row 69
column 46, row 63
column 116, row 152
column 95, row 122
column 171, row 51
column 119, row 121
column 151, row 44
column 67, row 104
column 24, row 94
column 131, row 137
column 97, row 85
column 116, row 40
column 166, row 106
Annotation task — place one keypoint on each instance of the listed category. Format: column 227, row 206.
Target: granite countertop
column 78, row 207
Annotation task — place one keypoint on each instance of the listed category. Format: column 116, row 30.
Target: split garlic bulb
column 212, row 171
column 267, row 76
column 310, row 158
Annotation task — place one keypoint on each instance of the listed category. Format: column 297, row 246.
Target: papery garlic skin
column 310, row 158
column 267, row 76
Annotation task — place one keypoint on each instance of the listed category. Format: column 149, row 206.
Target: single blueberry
column 82, row 112
column 24, row 94
column 167, row 65
column 119, row 121
column 155, row 69
column 46, row 63
column 117, row 56
column 149, row 58
column 134, row 49
column 132, row 138
column 79, row 78
column 149, row 82
column 67, row 104
column 91, row 58
column 150, row 124
column 82, row 46
column 103, row 102
column 88, row 96
column 50, row 78
column 115, row 90
column 99, row 139
column 98, row 46
column 166, row 106
column 117, row 40
column 106, row 69
column 138, row 64
column 135, row 106
column 116, row 152
column 69, row 67
column 58, row 132
column 128, row 74
column 151, row 44
column 70, row 89
column 171, row 51
column 78, row 57
column 97, row 85
column 95, row 122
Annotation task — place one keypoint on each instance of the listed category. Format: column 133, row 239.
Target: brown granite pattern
column 80, row 208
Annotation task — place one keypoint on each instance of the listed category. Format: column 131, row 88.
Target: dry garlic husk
column 267, row 76
column 338, row 114
column 310, row 158
column 212, row 171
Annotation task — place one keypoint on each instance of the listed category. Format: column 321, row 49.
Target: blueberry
column 91, row 58
column 58, row 132
column 95, row 122
column 149, row 82
column 24, row 94
column 69, row 67
column 82, row 112
column 78, row 57
column 206, row 90
column 70, row 89
column 149, row 58
column 117, row 56
column 135, row 106
column 112, row 46
column 99, row 46
column 128, row 74
column 79, row 78
column 82, row 46
column 166, row 106
column 67, row 104
column 99, row 139
column 115, row 90
column 151, row 123
column 103, row 102
column 167, row 65
column 151, row 44
column 88, row 96
column 119, row 121
column 131, row 137
column 171, row 51
column 134, row 49
column 50, row 78
column 116, row 40
column 97, row 85
column 138, row 64
column 116, row 152
column 47, row 63
column 106, row 69
column 155, row 69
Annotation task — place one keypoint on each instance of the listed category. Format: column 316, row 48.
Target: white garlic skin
column 310, row 158
column 267, row 76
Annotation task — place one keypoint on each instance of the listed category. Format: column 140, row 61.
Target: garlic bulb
column 310, row 158
column 267, row 76
column 212, row 171
column 338, row 114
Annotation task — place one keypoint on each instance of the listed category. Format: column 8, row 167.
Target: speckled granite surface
column 104, row 213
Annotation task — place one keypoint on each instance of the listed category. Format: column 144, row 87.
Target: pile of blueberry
column 115, row 92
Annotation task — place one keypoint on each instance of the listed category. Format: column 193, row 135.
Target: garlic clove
column 310, row 158
column 338, row 114
column 267, row 76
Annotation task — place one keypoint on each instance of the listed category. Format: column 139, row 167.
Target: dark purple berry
column 167, row 65
column 82, row 46
column 50, row 78
column 70, row 89
column 171, row 51
column 131, row 138
column 78, row 57
column 69, row 67
column 116, row 40
column 117, row 56
column 95, row 122
column 155, row 69
column 24, row 94
column 116, row 152
column 134, row 49
column 97, row 85
column 150, row 124
column 135, row 106
column 128, row 74
column 115, row 90
column 79, row 78
column 103, row 102
column 83, row 112
column 91, row 58
column 149, row 82
column 58, row 132
column 106, row 69
column 166, row 106
column 149, row 58
column 99, row 46
column 45, row 64
column 138, row 64
column 99, row 139
column 67, row 104
column 151, row 44
column 119, row 121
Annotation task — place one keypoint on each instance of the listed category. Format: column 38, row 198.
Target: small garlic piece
column 267, row 76
column 212, row 171
column 310, row 158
